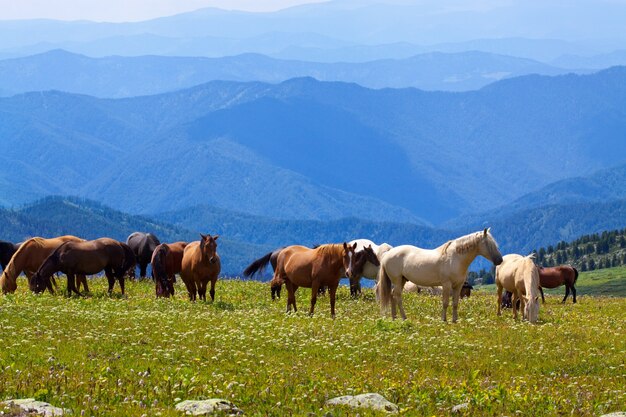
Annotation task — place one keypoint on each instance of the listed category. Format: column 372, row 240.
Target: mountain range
column 348, row 22
column 116, row 76
column 304, row 149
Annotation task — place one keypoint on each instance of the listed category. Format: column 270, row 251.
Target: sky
column 127, row 10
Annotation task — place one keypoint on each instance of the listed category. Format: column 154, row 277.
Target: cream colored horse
column 445, row 266
column 519, row 275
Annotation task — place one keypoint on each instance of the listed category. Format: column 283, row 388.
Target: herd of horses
column 394, row 269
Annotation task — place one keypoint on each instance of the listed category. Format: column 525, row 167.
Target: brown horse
column 87, row 258
column 200, row 264
column 29, row 257
column 299, row 266
column 557, row 276
column 166, row 262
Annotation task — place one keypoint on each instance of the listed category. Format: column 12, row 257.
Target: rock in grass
column 212, row 406
column 617, row 414
column 40, row 408
column 460, row 407
column 372, row 401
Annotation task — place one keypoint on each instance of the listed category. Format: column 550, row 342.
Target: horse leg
column 456, row 295
column 574, row 293
column 142, row 271
column 202, row 291
column 500, row 300
column 111, row 279
column 291, row 296
column 315, row 286
column 83, row 279
column 566, row 294
column 212, row 291
column 514, row 299
column 120, row 278
column 332, row 289
column 543, row 299
column 445, row 300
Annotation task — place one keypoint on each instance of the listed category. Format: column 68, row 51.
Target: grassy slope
column 607, row 282
column 135, row 356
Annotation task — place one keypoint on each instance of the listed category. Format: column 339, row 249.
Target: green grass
column 138, row 356
column 602, row 282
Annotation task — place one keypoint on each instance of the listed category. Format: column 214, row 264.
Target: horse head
column 208, row 247
column 349, row 256
column 488, row 248
column 531, row 308
column 38, row 283
column 8, row 286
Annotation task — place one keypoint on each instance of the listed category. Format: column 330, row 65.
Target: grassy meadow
column 139, row 356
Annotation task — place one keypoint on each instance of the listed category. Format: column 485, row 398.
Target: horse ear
column 203, row 237
column 345, row 245
column 485, row 231
column 354, row 246
column 215, row 237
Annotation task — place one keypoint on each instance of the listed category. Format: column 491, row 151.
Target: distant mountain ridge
column 116, row 76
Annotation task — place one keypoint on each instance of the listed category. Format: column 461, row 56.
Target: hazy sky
column 127, row 10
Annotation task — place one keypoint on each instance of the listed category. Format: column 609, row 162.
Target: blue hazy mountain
column 595, row 27
column 133, row 76
column 305, row 149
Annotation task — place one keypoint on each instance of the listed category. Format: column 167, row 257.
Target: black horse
column 142, row 245
column 7, row 249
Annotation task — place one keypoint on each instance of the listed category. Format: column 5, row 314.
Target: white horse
column 519, row 275
column 445, row 266
column 370, row 271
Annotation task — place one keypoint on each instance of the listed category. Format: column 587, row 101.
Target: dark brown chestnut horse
column 556, row 276
column 87, row 258
column 167, row 260
column 200, row 264
column 299, row 266
column 29, row 257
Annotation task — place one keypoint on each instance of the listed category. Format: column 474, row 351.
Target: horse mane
column 445, row 246
column 10, row 270
column 465, row 243
column 330, row 248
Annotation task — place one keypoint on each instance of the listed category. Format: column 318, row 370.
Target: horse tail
column 575, row 274
column 258, row 266
column 383, row 289
column 130, row 260
column 159, row 272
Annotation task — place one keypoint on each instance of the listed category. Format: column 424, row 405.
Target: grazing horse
column 166, row 262
column 143, row 245
column 299, row 266
column 371, row 265
column 85, row 258
column 29, row 257
column 200, row 264
column 466, row 290
column 7, row 249
column 557, row 276
column 518, row 274
column 258, row 266
column 445, row 266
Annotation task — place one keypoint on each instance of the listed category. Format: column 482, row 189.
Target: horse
column 299, row 266
column 445, row 265
column 7, row 249
column 466, row 290
column 29, row 257
column 555, row 277
column 200, row 264
column 166, row 263
column 87, row 258
column 518, row 274
column 143, row 245
column 258, row 266
column 371, row 265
